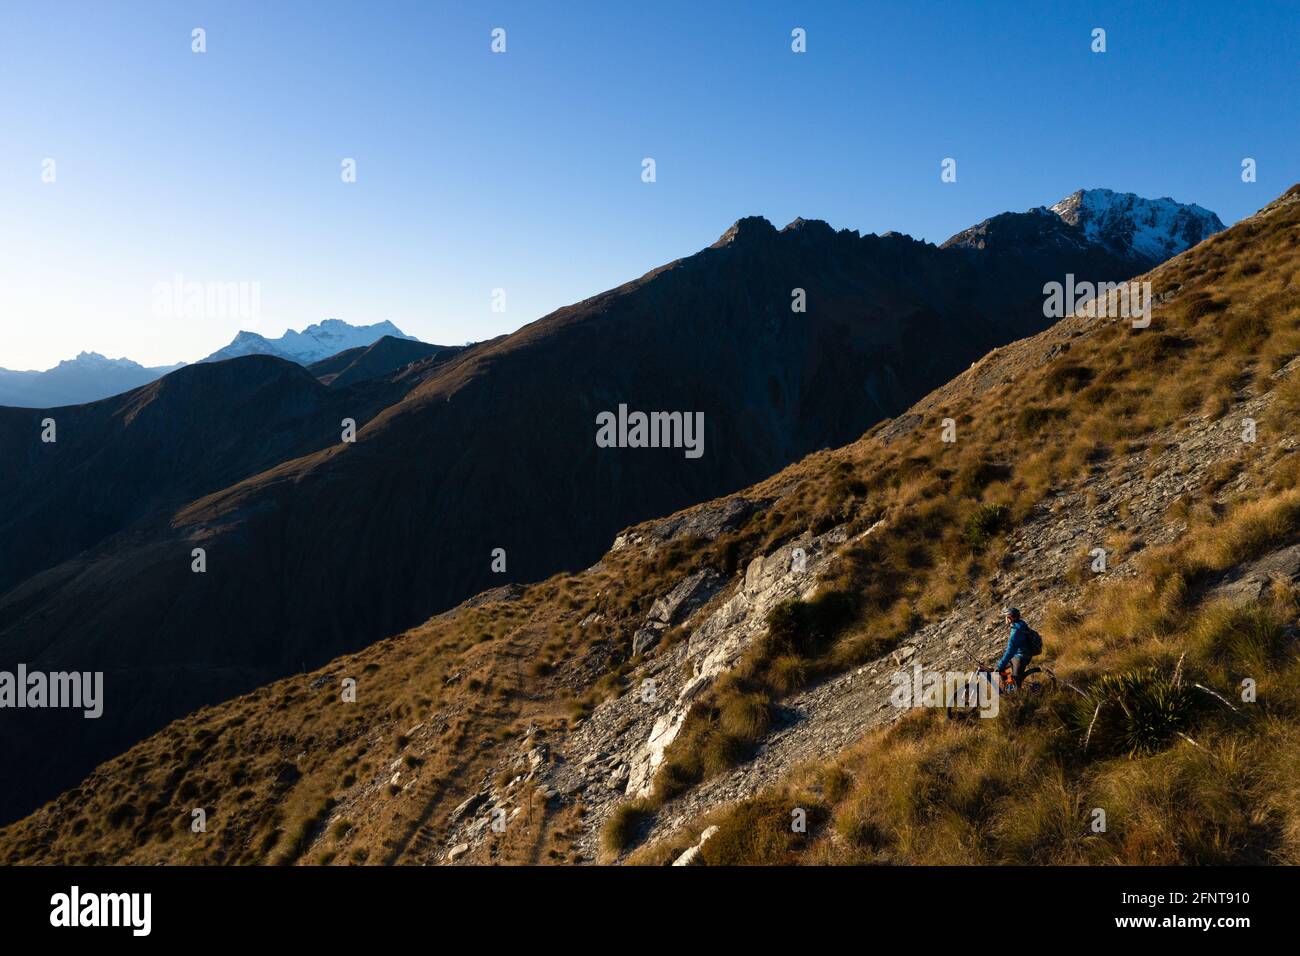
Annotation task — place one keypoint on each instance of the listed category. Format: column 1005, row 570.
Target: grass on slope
column 1234, row 320
column 289, row 774
column 1182, row 778
column 929, row 791
column 439, row 706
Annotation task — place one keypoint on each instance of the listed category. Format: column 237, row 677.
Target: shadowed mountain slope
column 383, row 357
column 317, row 547
column 532, row 699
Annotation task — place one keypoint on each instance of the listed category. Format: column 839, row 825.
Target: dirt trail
column 821, row 721
column 611, row 757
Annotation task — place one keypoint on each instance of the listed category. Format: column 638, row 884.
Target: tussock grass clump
column 1248, row 638
column 1200, row 304
column 1253, row 529
column 1067, row 377
column 787, row 673
column 302, row 831
column 763, row 830
column 745, row 716
column 984, row 523
column 1032, row 419
column 681, row 553
column 624, row 824
column 805, row 628
column 1138, row 711
column 973, row 477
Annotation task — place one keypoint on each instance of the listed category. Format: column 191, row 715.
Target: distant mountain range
column 90, row 376
column 312, row 344
column 86, row 378
column 317, row 547
column 770, row 624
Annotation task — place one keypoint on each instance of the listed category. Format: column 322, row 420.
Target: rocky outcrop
column 692, row 856
column 678, row 604
column 717, row 642
column 1253, row 581
column 1134, row 496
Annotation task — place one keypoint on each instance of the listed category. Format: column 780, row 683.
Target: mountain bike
column 1036, row 678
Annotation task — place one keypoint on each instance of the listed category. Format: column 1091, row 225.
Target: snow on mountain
column 91, row 376
column 318, row 341
column 1129, row 225
column 86, row 378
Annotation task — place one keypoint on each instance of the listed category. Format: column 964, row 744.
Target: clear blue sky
column 523, row 171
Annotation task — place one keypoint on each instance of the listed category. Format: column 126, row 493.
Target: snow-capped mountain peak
column 1130, row 225
column 320, row 340
column 93, row 360
column 87, row 378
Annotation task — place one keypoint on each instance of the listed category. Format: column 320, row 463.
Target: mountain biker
column 1020, row 646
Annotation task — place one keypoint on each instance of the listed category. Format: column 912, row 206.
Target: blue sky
column 522, row 170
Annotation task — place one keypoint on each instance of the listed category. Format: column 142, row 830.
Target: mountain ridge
column 491, row 448
column 316, row 342
column 90, row 376
column 1154, row 229
column 1125, row 224
column 449, row 726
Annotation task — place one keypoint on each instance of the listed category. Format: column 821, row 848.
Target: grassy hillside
column 1149, row 724
column 455, row 456
column 484, row 699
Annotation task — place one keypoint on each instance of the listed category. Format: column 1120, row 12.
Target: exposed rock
column 644, row 639
column 707, row 521
column 686, row 597
column 719, row 640
column 692, row 592
column 456, row 852
column 468, row 807
column 690, row 858
column 1252, row 581
column 505, row 592
column 537, row 756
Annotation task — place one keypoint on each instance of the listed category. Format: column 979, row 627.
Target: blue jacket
column 1017, row 645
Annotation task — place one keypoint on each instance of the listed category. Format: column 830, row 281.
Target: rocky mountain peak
column 745, row 229
column 318, row 341
column 95, row 360
column 809, row 228
column 1128, row 224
